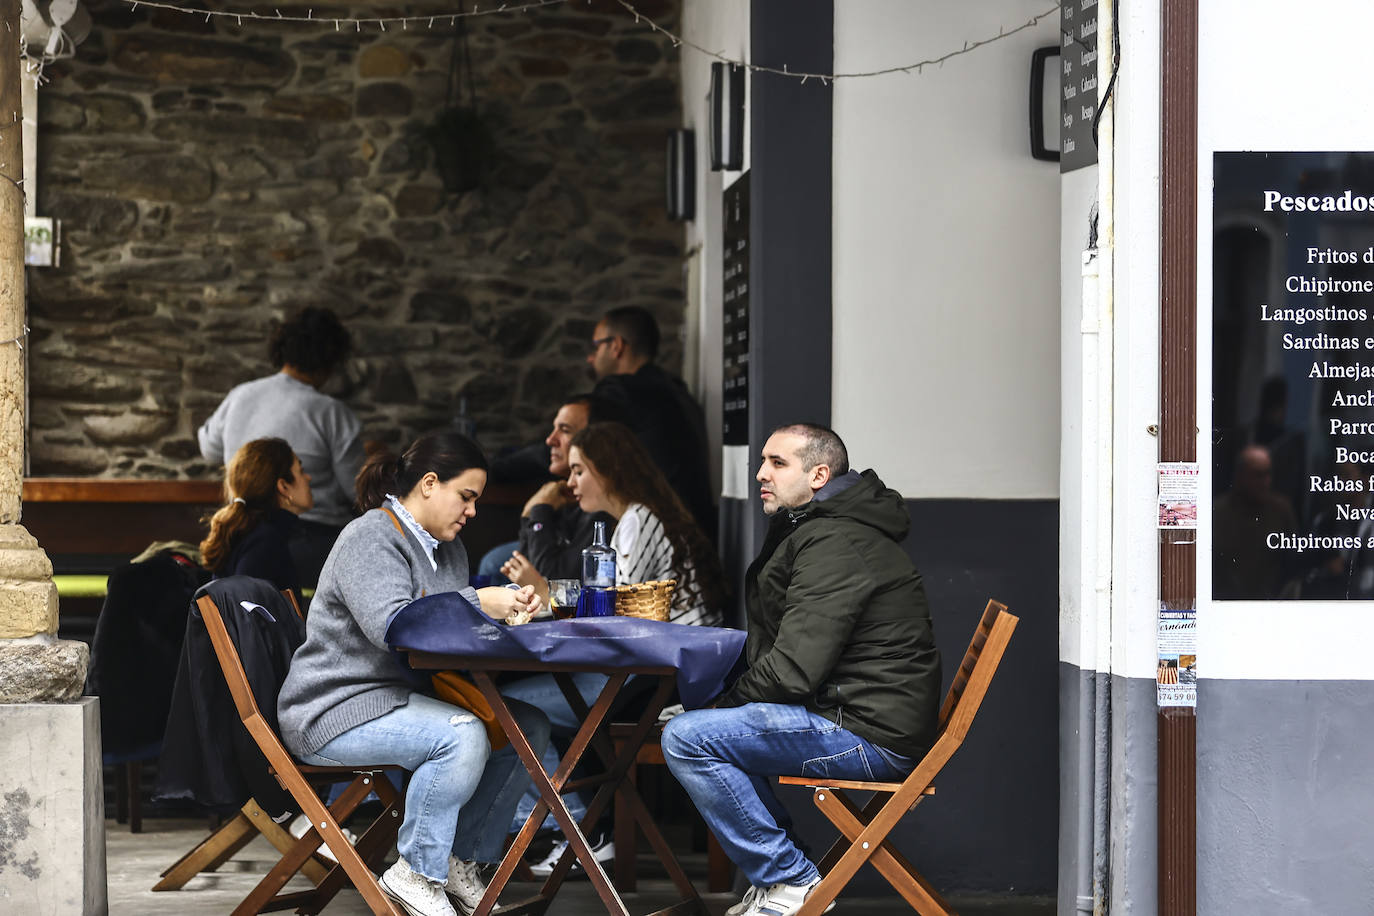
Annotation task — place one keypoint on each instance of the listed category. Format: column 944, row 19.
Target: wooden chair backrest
column 976, row 669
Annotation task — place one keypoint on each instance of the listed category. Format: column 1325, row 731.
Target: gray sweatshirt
column 343, row 674
column 321, row 430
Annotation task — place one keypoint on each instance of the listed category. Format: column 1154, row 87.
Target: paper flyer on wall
column 1178, row 481
column 1176, row 676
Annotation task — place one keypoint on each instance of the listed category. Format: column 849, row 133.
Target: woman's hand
column 521, row 571
column 499, row 602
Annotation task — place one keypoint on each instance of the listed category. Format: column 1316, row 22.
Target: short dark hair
column 822, row 446
column 312, row 340
column 637, row 326
column 599, row 409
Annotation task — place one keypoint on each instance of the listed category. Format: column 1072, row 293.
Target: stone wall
column 211, row 176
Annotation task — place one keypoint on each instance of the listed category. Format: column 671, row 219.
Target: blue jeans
column 461, row 795
column 541, row 692
column 724, row 758
column 492, row 560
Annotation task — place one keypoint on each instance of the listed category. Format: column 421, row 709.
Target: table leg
column 549, row 795
column 627, row 793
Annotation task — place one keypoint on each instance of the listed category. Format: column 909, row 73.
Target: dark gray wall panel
column 994, row 823
column 1285, row 814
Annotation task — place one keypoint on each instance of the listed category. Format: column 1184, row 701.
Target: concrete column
column 52, row 842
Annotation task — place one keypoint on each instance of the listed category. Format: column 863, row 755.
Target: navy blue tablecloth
column 447, row 624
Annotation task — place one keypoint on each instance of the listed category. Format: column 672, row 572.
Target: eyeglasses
column 596, row 344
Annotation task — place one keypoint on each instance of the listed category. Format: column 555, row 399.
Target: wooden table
column 617, row 757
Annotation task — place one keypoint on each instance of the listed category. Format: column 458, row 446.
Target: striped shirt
column 643, row 553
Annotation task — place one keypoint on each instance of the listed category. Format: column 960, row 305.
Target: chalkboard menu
column 1293, row 376
column 1078, row 99
column 735, row 309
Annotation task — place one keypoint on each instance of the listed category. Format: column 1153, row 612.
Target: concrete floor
column 134, row 862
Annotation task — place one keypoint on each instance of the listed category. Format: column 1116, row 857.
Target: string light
column 379, row 21
column 917, row 67
column 677, row 40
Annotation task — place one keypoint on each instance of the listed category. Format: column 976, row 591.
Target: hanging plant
column 462, row 140
column 464, row 148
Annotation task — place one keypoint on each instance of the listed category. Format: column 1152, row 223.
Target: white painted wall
column 721, row 25
column 1267, row 81
column 946, row 254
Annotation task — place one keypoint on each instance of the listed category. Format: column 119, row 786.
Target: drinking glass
column 563, row 595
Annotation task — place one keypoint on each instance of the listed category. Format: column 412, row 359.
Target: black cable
column 1116, row 65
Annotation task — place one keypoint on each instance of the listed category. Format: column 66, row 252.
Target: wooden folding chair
column 864, row 831
column 354, row 862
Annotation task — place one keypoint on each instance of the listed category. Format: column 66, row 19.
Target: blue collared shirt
column 428, row 541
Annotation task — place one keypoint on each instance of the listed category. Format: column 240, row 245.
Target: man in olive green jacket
column 843, row 676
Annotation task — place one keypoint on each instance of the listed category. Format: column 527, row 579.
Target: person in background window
column 322, row 430
column 265, row 488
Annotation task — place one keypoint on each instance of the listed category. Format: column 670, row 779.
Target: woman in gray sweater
column 350, row 700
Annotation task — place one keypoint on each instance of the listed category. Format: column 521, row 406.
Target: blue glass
column 596, row 602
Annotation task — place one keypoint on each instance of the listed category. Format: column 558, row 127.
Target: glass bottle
column 598, row 576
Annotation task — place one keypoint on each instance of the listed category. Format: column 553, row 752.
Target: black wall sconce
column 681, row 172
column 727, row 117
column 1041, row 62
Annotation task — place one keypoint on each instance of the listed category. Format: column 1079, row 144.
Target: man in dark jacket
column 843, row 676
column 553, row 528
column 657, row 406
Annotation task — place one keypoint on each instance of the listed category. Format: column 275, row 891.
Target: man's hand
column 555, row 493
column 499, row 602
column 521, row 571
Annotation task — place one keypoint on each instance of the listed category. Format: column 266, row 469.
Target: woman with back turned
column 265, row 488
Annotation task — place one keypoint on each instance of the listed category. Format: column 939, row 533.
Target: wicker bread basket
column 649, row 600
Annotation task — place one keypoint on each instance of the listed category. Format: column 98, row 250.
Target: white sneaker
column 417, row 895
column 745, row 902
column 603, row 850
column 465, row 884
column 301, row 823
column 782, row 899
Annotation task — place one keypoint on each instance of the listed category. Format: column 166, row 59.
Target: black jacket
column 263, row 552
column 838, row 620
column 672, row 426
column 208, row 755
column 136, row 649
column 553, row 539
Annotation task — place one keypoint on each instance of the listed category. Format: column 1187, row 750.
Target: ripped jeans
column 724, row 758
column 461, row 795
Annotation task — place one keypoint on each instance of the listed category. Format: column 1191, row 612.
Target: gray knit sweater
column 344, row 674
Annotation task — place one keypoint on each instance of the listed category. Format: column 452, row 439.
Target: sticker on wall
column 1176, row 676
column 1178, row 494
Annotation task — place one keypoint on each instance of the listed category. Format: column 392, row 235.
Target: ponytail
column 229, row 523
column 376, row 478
column 250, row 492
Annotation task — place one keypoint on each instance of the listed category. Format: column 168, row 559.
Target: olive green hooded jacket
column 838, row 620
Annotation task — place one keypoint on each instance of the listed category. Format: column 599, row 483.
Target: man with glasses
column 657, row 406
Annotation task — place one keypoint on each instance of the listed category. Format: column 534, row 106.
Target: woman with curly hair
column 265, row 488
column 306, row 349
